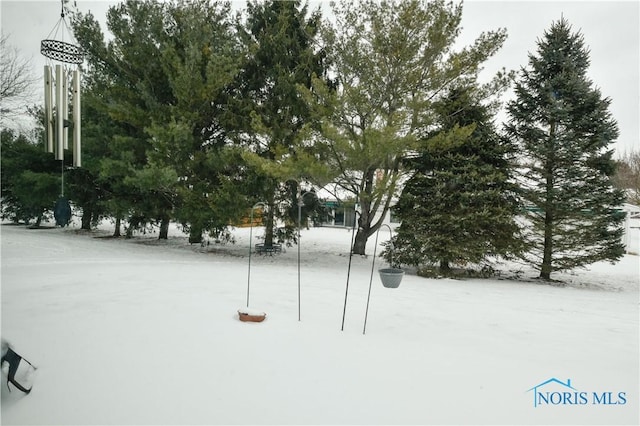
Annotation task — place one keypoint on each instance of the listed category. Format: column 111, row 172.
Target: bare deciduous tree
column 17, row 82
column 627, row 176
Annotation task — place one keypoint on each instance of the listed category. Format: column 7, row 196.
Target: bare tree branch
column 17, row 82
column 627, row 176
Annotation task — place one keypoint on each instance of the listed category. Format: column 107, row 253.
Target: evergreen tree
column 564, row 130
column 272, row 116
column 30, row 179
column 161, row 83
column 126, row 88
column 459, row 206
column 200, row 58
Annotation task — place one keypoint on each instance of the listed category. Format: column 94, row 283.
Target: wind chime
column 62, row 103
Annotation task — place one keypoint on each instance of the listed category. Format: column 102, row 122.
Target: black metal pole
column 299, row 221
column 250, row 241
column 300, row 204
column 346, row 292
column 375, row 246
column 249, row 269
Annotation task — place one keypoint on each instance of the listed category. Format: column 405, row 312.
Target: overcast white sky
column 611, row 30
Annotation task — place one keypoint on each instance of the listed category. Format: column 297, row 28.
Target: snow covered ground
column 143, row 331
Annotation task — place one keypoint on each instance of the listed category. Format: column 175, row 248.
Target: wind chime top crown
column 59, row 50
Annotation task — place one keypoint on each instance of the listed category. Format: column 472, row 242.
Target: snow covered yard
column 146, row 332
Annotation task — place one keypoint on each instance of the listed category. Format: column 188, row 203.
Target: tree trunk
column 95, row 218
column 116, row 232
column 545, row 270
column 269, row 218
column 134, row 221
column 268, row 227
column 360, row 243
column 164, row 229
column 547, row 254
column 87, row 211
column 195, row 234
column 366, row 216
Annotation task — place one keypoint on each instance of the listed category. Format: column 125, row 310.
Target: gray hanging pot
column 391, row 277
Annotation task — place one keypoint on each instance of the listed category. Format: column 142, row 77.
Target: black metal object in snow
column 346, row 292
column 256, row 205
column 300, row 204
column 390, row 277
column 273, row 248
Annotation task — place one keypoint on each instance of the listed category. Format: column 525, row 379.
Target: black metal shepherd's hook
column 250, row 240
column 346, row 292
column 300, row 204
column 375, row 246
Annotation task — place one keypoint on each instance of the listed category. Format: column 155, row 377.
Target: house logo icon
column 561, row 393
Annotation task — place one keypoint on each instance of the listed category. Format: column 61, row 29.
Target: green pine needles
column 563, row 130
column 192, row 113
column 459, row 206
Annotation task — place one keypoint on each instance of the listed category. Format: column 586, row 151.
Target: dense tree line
column 193, row 113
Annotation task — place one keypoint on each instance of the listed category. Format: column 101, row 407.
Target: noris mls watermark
column 557, row 392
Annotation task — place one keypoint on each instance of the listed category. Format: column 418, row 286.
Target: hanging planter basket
column 391, row 277
column 249, row 315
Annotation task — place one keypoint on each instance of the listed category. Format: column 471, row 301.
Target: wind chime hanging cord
column 59, row 50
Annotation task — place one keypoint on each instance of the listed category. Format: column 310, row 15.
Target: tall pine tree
column 563, row 128
column 159, row 86
column 281, row 41
column 459, row 205
column 121, row 73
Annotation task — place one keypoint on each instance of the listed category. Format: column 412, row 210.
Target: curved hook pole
column 300, row 204
column 375, row 246
column 346, row 292
column 258, row 204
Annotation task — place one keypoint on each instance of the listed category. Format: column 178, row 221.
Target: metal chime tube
column 65, row 109
column 77, row 157
column 48, row 109
column 59, row 114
